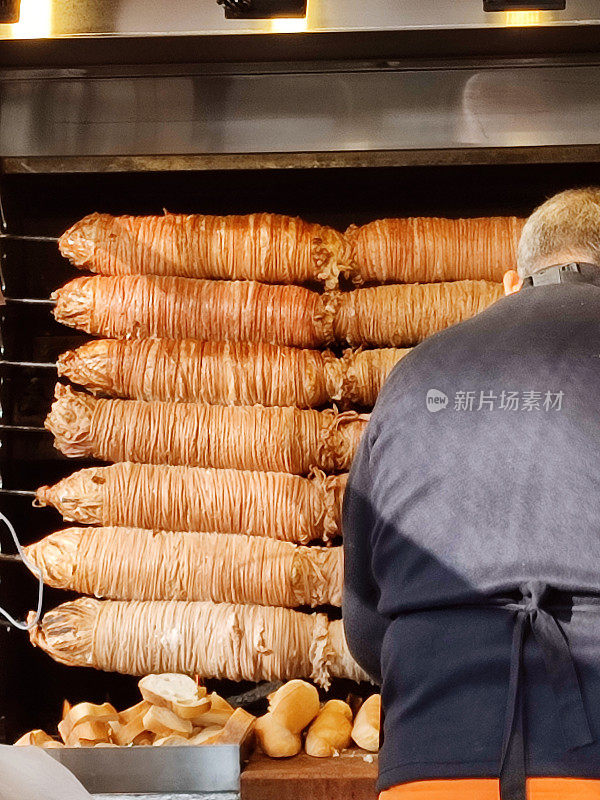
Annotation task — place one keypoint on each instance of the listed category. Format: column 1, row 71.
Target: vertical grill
column 35, row 211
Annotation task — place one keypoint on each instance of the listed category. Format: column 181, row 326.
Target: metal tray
column 156, row 770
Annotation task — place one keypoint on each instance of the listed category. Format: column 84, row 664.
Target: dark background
column 32, row 686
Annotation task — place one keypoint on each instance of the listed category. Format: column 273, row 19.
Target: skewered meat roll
column 238, row 642
column 406, row 314
column 263, row 247
column 424, row 249
column 147, row 306
column 365, row 372
column 222, row 373
column 238, row 437
column 272, row 504
column 135, row 564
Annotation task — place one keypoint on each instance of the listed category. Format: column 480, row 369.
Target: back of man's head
column 564, row 228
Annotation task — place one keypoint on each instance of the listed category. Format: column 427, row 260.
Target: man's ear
column 512, row 282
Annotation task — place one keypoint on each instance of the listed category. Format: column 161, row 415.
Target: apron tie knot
column 530, row 613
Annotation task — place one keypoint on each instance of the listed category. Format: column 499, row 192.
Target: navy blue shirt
column 478, row 475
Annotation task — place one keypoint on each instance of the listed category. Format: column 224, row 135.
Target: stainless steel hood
column 298, row 112
column 129, row 84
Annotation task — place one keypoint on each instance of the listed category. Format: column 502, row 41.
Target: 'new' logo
column 436, row 400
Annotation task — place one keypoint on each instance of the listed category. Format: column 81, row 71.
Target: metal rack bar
column 18, row 492
column 28, row 238
column 29, row 301
column 27, row 428
column 10, row 557
column 43, row 364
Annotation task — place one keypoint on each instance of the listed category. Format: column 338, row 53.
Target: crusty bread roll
column 205, row 735
column 366, row 724
column 291, row 709
column 330, row 731
column 83, row 713
column 179, row 693
column 37, row 738
column 238, row 727
column 130, row 724
column 164, row 722
column 171, row 740
column 89, row 734
column 217, row 715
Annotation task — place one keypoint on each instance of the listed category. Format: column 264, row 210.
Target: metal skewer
column 28, row 238
column 29, row 301
column 43, row 364
column 10, row 557
column 26, row 428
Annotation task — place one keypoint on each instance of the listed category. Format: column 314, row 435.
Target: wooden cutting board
column 347, row 777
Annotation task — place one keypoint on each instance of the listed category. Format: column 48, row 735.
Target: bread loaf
column 147, row 306
column 397, row 316
column 87, row 723
column 291, row 708
column 164, row 722
column 237, row 642
column 178, row 693
column 365, row 731
column 217, row 715
column 331, row 730
column 129, row 725
column 273, row 504
column 37, row 738
column 263, row 247
column 135, row 564
column 237, row 728
column 241, row 437
column 425, row 249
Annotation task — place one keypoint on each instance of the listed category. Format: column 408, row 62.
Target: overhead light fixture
column 9, row 11
column 524, row 5
column 35, row 20
column 264, row 9
column 289, row 24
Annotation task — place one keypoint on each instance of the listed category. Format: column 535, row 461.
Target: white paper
column 28, row 773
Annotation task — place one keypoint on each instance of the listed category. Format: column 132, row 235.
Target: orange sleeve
column 488, row 789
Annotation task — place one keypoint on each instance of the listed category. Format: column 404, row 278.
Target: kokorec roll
column 272, row 504
column 238, row 642
column 239, row 437
column 149, row 306
column 271, row 248
column 426, row 249
column 135, row 564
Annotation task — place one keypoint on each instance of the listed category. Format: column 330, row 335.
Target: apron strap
column 563, row 679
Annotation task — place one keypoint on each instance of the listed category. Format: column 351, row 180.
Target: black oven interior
column 32, row 686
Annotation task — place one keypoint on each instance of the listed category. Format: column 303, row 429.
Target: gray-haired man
column 472, row 536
